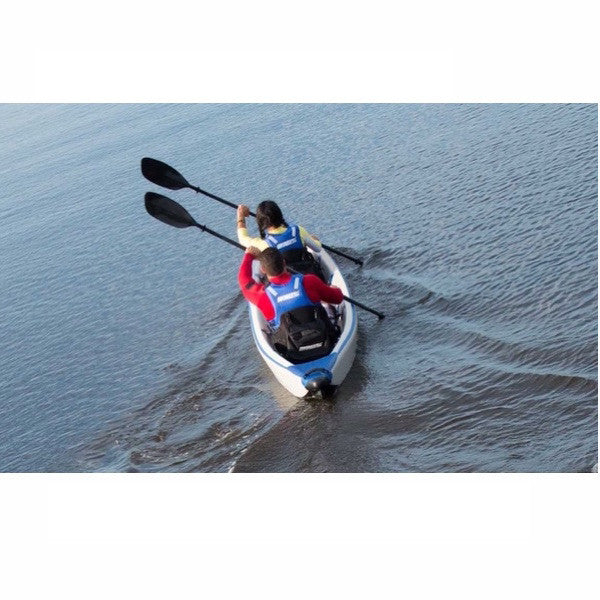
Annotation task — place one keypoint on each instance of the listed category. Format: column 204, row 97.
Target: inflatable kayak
column 322, row 376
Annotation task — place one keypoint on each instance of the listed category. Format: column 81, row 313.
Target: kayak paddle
column 170, row 212
column 166, row 176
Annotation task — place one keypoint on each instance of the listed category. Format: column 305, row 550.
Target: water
column 125, row 345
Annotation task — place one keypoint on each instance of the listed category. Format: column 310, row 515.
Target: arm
column 246, row 240
column 308, row 240
column 318, row 291
column 252, row 291
column 244, row 237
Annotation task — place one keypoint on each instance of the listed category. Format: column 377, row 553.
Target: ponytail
column 268, row 214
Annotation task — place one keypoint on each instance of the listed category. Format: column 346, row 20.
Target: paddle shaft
column 358, row 261
column 371, row 310
column 221, row 237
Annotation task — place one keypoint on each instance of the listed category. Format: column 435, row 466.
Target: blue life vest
column 286, row 297
column 290, row 239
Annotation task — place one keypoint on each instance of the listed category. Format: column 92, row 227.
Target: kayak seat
column 304, row 262
column 305, row 334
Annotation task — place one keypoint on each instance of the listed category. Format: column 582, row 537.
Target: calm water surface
column 125, row 345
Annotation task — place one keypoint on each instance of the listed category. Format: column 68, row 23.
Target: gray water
column 125, row 345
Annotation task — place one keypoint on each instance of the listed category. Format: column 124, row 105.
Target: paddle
column 170, row 212
column 166, row 176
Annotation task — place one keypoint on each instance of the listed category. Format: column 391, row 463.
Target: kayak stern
column 316, row 379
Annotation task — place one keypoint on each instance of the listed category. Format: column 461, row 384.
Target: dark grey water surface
column 125, row 345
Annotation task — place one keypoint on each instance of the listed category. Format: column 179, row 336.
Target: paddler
column 291, row 240
column 300, row 327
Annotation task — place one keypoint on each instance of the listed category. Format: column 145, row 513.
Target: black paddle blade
column 168, row 211
column 162, row 174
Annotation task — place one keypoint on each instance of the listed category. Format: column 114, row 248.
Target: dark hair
column 272, row 261
column 268, row 214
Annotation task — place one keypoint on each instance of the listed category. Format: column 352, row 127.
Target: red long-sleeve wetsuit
column 254, row 292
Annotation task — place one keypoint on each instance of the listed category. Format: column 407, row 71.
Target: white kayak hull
column 301, row 380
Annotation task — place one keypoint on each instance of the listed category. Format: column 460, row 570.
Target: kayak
column 320, row 377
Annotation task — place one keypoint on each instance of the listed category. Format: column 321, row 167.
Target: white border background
column 299, row 536
column 310, row 51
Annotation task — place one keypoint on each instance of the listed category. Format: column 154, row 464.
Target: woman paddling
column 291, row 240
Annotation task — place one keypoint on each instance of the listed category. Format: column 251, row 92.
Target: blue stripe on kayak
column 326, row 362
